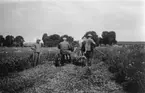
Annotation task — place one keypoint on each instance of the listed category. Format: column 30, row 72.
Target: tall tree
column 100, row 40
column 52, row 40
column 105, row 37
column 9, row 39
column 54, row 37
column 44, row 38
column 2, row 40
column 19, row 40
column 112, row 38
column 109, row 37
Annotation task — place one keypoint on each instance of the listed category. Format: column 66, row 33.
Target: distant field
column 24, row 49
column 129, row 43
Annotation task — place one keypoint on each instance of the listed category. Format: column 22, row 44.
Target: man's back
column 64, row 45
column 88, row 44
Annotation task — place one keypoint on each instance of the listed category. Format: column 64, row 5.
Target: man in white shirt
column 36, row 52
column 89, row 43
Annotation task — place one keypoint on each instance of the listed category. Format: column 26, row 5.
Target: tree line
column 107, row 37
column 10, row 41
column 55, row 39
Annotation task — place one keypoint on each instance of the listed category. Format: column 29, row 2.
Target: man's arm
column 93, row 41
column 33, row 47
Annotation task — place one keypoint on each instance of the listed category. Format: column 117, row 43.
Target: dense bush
column 55, row 39
column 108, row 37
column 10, row 41
column 15, row 62
column 128, row 66
column 10, row 62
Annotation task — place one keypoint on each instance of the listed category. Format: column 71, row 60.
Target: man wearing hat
column 36, row 54
column 65, row 49
column 89, row 43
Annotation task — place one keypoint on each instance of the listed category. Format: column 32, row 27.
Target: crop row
column 127, row 65
column 15, row 62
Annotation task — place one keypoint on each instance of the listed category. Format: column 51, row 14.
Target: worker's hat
column 64, row 38
column 89, row 35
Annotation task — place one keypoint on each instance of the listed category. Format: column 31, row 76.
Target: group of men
column 86, row 45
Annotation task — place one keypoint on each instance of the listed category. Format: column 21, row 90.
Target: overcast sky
column 33, row 18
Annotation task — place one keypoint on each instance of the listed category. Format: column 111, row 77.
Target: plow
column 75, row 57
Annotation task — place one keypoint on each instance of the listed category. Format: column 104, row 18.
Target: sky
column 32, row 18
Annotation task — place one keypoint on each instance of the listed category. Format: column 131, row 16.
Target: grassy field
column 18, row 59
column 24, row 49
column 121, row 68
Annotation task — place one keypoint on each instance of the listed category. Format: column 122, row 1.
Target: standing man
column 36, row 54
column 64, row 46
column 89, row 46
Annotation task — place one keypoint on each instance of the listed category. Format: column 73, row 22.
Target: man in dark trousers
column 65, row 50
column 36, row 52
column 89, row 46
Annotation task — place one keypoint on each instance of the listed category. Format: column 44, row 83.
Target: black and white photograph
column 72, row 46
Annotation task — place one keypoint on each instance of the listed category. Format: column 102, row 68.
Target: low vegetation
column 19, row 59
column 127, row 65
column 118, row 68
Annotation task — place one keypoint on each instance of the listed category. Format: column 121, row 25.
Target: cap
column 64, row 38
column 89, row 35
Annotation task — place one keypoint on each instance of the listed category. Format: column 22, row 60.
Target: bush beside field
column 19, row 59
column 128, row 66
